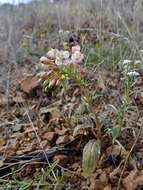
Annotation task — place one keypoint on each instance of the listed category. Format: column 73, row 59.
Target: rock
column 17, row 128
column 11, row 148
column 103, row 178
column 3, row 100
column 50, row 136
column 12, row 144
column 116, row 150
column 61, row 159
column 32, row 135
column 18, row 98
column 40, row 124
column 29, row 84
column 63, row 131
column 2, row 142
column 75, row 166
column 50, row 112
column 29, row 148
column 44, row 143
column 63, row 140
column 19, row 152
column 96, row 184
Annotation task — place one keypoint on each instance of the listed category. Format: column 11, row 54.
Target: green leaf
column 115, row 132
column 91, row 155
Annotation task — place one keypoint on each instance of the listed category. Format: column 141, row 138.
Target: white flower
column 58, row 61
column 61, row 31
column 126, row 61
column 133, row 74
column 67, row 32
column 59, row 54
column 75, row 48
column 137, row 62
column 66, row 54
column 77, row 57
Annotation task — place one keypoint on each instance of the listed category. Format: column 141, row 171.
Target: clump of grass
column 43, row 179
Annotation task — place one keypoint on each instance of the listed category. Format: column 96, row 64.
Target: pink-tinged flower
column 43, row 59
column 75, row 48
column 60, row 55
column 58, row 61
column 48, row 73
column 67, row 62
column 52, row 53
column 57, row 82
column 77, row 57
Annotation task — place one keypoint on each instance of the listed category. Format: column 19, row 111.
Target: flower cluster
column 61, row 57
column 57, row 65
column 130, row 68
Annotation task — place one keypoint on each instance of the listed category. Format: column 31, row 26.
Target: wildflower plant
column 60, row 66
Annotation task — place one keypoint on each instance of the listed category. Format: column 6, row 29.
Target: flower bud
column 52, row 83
column 51, row 54
column 57, row 82
column 43, row 59
column 76, row 48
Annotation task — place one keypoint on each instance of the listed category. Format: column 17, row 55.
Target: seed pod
column 91, row 154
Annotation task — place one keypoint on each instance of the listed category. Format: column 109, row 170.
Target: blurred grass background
column 27, row 31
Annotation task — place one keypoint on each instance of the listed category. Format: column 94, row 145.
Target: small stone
column 18, row 98
column 103, row 178
column 40, row 124
column 44, row 143
column 63, row 131
column 12, row 144
column 29, row 84
column 19, row 152
column 11, row 147
column 2, row 142
column 50, row 136
column 32, row 135
column 61, row 159
column 27, row 149
column 63, row 140
column 75, row 166
column 17, row 128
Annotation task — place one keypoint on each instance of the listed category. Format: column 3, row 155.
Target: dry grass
column 41, row 21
